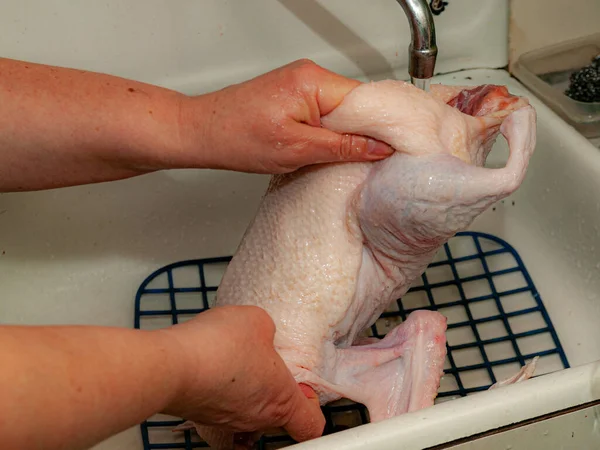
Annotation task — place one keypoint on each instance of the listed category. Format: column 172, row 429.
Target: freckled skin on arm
column 70, row 387
column 61, row 127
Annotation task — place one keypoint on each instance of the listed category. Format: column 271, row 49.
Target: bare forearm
column 70, row 387
column 61, row 127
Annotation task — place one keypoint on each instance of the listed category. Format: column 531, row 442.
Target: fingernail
column 377, row 148
column 307, row 391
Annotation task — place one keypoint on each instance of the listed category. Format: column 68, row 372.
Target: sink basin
column 77, row 256
column 553, row 221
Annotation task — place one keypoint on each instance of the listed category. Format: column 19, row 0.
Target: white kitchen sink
column 553, row 222
column 77, row 256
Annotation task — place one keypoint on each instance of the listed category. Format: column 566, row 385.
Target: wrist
column 196, row 126
column 187, row 368
column 161, row 132
column 173, row 361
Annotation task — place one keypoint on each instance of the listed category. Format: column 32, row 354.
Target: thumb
column 307, row 420
column 332, row 88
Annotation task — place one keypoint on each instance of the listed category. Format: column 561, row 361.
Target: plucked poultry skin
column 333, row 245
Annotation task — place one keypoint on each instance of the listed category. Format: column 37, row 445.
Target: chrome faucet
column 422, row 49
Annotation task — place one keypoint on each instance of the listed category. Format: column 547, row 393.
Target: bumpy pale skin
column 332, row 246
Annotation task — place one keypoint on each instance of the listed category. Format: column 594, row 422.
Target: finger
column 310, row 394
column 324, row 145
column 307, row 420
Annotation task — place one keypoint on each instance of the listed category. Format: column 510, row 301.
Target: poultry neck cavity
column 472, row 116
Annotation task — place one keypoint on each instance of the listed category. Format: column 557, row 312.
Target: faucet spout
column 423, row 49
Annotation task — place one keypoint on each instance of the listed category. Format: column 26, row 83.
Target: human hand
column 272, row 123
column 234, row 379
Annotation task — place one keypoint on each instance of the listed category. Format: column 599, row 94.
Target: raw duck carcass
column 333, row 245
